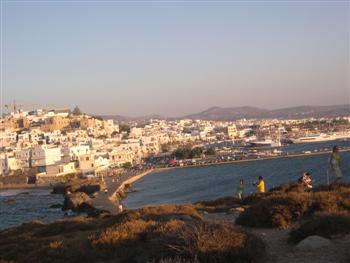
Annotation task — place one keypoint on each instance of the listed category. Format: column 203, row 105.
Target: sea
column 183, row 185
column 193, row 184
column 22, row 205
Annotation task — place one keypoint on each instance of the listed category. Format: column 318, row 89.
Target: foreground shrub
column 152, row 234
column 325, row 225
column 166, row 212
column 220, row 205
column 217, row 242
column 283, row 205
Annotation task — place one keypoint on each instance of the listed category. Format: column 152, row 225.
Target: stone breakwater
column 124, row 187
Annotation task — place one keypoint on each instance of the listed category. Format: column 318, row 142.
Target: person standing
column 334, row 165
column 240, row 189
column 260, row 185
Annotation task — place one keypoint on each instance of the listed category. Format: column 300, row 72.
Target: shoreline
column 130, row 181
column 138, row 177
column 23, row 186
column 253, row 160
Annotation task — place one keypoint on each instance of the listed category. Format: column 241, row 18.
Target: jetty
column 107, row 198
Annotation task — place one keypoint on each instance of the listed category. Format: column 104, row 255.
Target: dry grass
column 220, row 205
column 167, row 212
column 152, row 234
column 216, row 242
column 58, row 244
column 288, row 203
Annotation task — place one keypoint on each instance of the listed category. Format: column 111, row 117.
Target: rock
column 84, row 185
column 92, row 211
column 313, row 242
column 186, row 218
column 128, row 189
column 90, row 189
column 239, row 209
column 74, row 201
column 235, row 210
column 54, row 206
column 78, row 185
column 9, row 201
column 59, row 189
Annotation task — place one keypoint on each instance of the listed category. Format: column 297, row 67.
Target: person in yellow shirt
column 260, row 185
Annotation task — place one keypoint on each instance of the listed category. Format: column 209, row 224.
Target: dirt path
column 280, row 251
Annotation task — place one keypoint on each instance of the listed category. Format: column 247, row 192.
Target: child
column 240, row 189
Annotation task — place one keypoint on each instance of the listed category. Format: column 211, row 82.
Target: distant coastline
column 140, row 176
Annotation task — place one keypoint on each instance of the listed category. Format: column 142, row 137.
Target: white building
column 7, row 138
column 75, row 151
column 60, row 169
column 43, row 155
column 24, row 157
column 120, row 155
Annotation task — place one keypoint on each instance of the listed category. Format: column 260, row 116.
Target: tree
column 196, row 152
column 187, row 152
column 76, row 111
column 98, row 118
column 124, row 128
column 114, row 134
column 210, row 151
column 127, row 165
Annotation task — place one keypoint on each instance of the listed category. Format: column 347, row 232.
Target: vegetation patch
column 220, row 205
column 281, row 206
column 166, row 233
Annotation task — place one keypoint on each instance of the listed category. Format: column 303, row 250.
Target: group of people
column 333, row 171
column 260, row 185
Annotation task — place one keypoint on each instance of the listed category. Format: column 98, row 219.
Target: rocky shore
column 96, row 196
column 78, row 195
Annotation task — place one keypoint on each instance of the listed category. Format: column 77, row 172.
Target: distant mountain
column 247, row 112
column 227, row 114
column 120, row 118
column 312, row 111
column 231, row 114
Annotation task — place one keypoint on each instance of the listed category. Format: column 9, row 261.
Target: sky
column 174, row 58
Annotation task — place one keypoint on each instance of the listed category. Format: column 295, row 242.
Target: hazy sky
column 174, row 58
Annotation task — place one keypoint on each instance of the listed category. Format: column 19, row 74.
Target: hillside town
column 48, row 144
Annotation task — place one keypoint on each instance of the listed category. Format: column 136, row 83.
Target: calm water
column 18, row 206
column 180, row 185
column 211, row 182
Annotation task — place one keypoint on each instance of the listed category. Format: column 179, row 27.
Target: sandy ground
column 280, row 251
